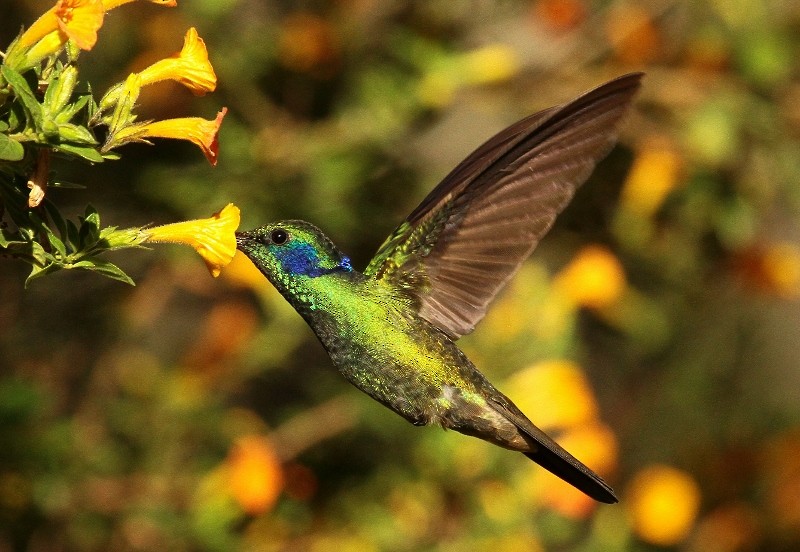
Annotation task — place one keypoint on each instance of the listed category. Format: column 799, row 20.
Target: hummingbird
column 391, row 329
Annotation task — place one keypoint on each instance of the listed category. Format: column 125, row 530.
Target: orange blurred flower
column 557, row 391
column 190, row 67
column 652, row 177
column 561, row 15
column 213, row 238
column 307, row 43
column 593, row 279
column 662, row 503
column 254, row 474
column 732, row 527
column 201, row 132
column 780, row 264
column 632, row 33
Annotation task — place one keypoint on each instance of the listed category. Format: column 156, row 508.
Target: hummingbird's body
column 391, row 330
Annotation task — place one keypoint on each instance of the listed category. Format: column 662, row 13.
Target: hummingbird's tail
column 573, row 472
column 543, row 450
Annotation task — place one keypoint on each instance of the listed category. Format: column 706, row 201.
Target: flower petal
column 189, row 67
column 213, row 238
column 80, row 20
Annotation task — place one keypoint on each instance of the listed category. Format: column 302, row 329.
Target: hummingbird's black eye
column 279, row 236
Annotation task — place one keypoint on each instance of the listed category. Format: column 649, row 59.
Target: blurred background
column 655, row 331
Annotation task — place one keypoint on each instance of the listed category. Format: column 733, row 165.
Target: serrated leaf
column 10, row 150
column 105, row 268
column 21, row 89
column 87, row 153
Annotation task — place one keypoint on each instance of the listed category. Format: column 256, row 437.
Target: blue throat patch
column 302, row 259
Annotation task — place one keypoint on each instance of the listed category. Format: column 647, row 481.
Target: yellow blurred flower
column 78, row 20
column 556, row 392
column 490, row 64
column 652, row 177
column 662, row 503
column 213, row 238
column 111, row 4
column 190, row 67
column 254, row 473
column 201, row 132
column 593, row 279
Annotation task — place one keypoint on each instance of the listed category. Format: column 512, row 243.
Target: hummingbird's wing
column 458, row 248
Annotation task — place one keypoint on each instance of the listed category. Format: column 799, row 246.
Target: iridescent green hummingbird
column 391, row 329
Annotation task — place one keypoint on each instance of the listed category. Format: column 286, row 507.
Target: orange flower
column 662, row 503
column 213, row 238
column 201, row 132
column 190, row 67
column 111, row 4
column 254, row 473
column 78, row 20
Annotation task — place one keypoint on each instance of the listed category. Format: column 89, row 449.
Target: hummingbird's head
column 290, row 249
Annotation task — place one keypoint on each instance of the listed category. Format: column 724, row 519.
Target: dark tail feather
column 573, row 472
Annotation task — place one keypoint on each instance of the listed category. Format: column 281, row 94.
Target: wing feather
column 468, row 237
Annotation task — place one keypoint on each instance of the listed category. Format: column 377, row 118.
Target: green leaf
column 10, row 150
column 87, row 153
column 55, row 215
column 38, row 271
column 7, row 238
column 26, row 96
column 89, row 233
column 75, row 134
column 72, row 235
column 66, row 114
column 105, row 268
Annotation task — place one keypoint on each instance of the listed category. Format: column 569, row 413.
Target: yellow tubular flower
column 111, row 4
column 78, row 20
column 199, row 131
column 213, row 238
column 190, row 67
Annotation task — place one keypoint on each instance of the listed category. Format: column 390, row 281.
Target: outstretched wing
column 459, row 247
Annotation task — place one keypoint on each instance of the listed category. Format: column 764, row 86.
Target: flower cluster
column 54, row 115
